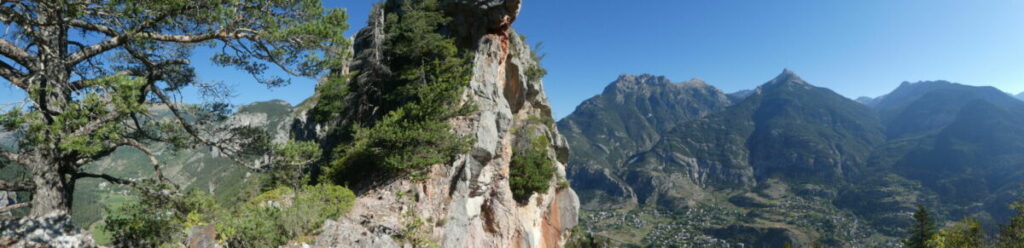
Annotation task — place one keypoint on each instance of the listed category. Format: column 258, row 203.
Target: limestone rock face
column 51, row 230
column 468, row 203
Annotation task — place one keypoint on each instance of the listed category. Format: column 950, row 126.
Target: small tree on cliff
column 92, row 70
column 408, row 129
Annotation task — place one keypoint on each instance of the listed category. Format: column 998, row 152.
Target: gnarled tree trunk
column 52, row 192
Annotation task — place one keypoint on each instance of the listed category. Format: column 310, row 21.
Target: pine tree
column 1012, row 234
column 92, row 70
column 408, row 130
column 922, row 231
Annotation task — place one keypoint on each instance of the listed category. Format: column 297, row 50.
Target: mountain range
column 789, row 162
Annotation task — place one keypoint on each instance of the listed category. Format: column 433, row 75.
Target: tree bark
column 53, row 188
column 52, row 191
column 16, row 186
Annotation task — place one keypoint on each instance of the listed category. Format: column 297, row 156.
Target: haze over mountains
column 790, row 162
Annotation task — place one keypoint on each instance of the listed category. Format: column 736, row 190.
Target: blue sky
column 857, row 48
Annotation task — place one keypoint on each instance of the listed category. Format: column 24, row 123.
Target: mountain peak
column 925, row 84
column 628, row 82
column 695, row 82
column 787, row 77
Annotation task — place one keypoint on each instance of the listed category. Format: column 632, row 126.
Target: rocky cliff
column 467, row 202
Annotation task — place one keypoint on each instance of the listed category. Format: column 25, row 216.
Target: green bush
column 292, row 162
column 964, row 233
column 313, row 205
column 277, row 216
column 535, row 72
column 1011, row 235
column 253, row 226
column 268, row 220
column 531, row 170
column 152, row 219
column 134, row 225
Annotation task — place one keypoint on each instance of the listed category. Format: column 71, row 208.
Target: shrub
column 534, row 72
column 151, row 220
column 291, row 163
column 531, row 170
column 964, row 233
column 313, row 205
column 416, row 231
column 135, row 225
column 253, row 226
column 1011, row 235
column 156, row 220
column 277, row 216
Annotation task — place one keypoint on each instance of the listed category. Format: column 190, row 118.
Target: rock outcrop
column 7, row 198
column 468, row 203
column 52, row 230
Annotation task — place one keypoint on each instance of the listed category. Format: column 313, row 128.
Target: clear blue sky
column 857, row 48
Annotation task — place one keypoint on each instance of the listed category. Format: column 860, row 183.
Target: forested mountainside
column 430, row 129
column 795, row 163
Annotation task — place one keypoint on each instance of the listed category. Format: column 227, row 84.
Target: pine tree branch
column 194, row 133
column 93, row 27
column 108, row 178
column 97, row 156
column 96, row 123
column 9, row 15
column 152, row 158
column 9, row 50
column 122, row 39
column 14, row 206
column 12, row 75
column 17, row 186
column 118, row 39
column 14, row 157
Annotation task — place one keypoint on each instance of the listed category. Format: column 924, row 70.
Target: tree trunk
column 51, row 193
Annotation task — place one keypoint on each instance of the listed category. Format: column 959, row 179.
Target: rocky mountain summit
column 466, row 203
